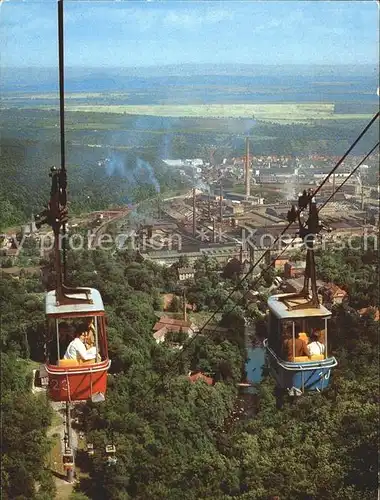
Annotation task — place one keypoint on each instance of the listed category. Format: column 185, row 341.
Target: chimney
column 213, row 230
column 243, row 242
column 33, row 227
column 194, row 214
column 333, row 188
column 221, row 204
column 247, row 170
column 184, row 306
column 159, row 208
column 362, row 198
column 241, row 254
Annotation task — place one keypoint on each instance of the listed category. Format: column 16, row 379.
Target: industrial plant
column 238, row 207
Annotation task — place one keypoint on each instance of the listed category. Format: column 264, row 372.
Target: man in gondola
column 77, row 348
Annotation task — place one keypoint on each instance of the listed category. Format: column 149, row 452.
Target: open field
column 281, row 113
column 259, row 111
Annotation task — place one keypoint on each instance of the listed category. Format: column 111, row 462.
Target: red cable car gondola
column 77, row 375
column 68, row 310
column 76, row 379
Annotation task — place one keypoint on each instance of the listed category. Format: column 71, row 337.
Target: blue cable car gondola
column 301, row 373
column 295, row 318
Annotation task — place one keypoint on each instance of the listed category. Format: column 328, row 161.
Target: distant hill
column 107, row 79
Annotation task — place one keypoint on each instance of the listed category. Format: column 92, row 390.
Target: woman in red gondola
column 89, row 339
column 77, row 348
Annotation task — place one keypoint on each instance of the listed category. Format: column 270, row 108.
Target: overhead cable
column 300, row 210
column 294, row 238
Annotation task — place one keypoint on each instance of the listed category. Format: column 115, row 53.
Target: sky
column 123, row 33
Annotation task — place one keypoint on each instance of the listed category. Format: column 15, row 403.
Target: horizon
column 161, row 66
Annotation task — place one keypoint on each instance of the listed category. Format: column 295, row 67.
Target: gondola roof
column 54, row 310
column 280, row 309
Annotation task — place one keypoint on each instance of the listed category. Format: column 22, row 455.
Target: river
column 254, row 364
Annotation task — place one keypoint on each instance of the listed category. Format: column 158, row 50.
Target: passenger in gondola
column 77, row 349
column 303, row 336
column 315, row 346
column 296, row 349
column 90, row 334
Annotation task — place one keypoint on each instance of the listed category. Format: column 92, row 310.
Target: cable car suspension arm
column 56, row 213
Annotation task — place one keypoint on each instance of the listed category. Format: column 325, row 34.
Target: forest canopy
column 176, row 439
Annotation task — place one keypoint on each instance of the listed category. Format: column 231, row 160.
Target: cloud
column 267, row 26
column 191, row 19
column 144, row 17
column 184, row 31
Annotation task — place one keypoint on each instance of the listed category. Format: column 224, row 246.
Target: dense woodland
column 175, row 439
column 25, row 417
column 26, row 164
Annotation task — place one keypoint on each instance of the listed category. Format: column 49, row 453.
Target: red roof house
column 167, row 324
column 201, row 376
column 334, row 293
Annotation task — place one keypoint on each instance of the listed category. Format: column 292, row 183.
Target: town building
column 185, row 273
column 167, row 325
column 294, row 269
column 279, row 263
column 333, row 293
column 221, row 252
column 295, row 285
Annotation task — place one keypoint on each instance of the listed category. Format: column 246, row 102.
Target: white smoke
column 290, row 191
column 134, row 169
column 202, row 186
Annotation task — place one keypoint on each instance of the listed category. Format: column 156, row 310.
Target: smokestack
column 362, row 197
column 247, row 170
column 333, row 188
column 33, row 227
column 213, row 230
column 209, row 205
column 184, row 305
column 221, row 204
column 194, row 214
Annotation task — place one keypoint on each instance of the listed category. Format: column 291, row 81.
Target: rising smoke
column 241, row 126
column 133, row 169
column 144, row 172
column 199, row 184
column 168, row 126
column 290, row 191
